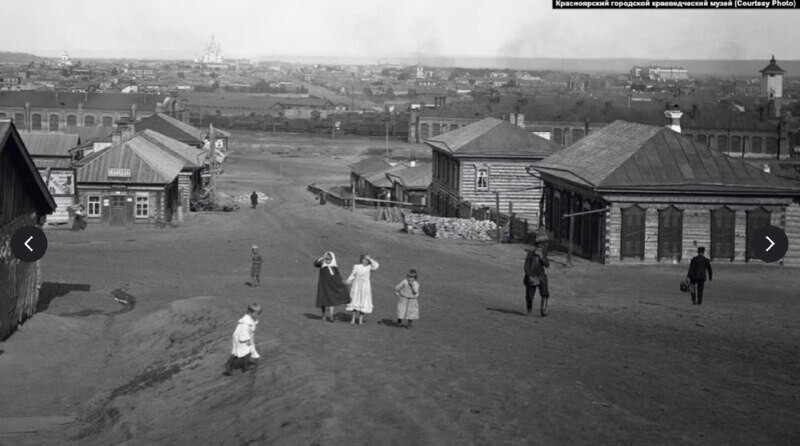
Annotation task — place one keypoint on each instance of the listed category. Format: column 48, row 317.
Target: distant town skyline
column 379, row 28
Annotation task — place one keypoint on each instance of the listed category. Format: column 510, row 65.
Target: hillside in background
column 18, row 58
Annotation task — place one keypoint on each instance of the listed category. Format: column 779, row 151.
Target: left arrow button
column 28, row 243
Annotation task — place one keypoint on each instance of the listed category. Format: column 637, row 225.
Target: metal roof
column 151, row 157
column 772, row 68
column 493, row 137
column 90, row 101
column 417, row 177
column 49, row 143
column 631, row 156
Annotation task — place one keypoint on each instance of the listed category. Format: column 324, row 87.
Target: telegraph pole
column 212, row 162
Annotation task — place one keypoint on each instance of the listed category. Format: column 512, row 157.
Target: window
column 36, row 121
column 72, row 120
column 772, row 146
column 757, row 144
column 722, row 143
column 736, row 144
column 19, row 120
column 142, row 206
column 94, row 206
column 701, row 139
column 53, row 123
column 757, row 219
column 436, row 130
column 108, row 121
column 577, row 134
column 558, row 137
column 482, row 179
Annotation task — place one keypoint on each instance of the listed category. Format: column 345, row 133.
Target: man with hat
column 536, row 263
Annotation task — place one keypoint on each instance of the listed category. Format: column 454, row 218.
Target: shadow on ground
column 51, row 290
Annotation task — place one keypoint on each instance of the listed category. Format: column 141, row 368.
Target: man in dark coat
column 254, row 199
column 536, row 276
column 697, row 275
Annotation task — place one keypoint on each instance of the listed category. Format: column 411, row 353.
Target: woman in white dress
column 361, row 291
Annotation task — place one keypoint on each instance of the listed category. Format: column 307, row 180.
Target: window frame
column 142, row 207
column 90, row 202
column 478, row 170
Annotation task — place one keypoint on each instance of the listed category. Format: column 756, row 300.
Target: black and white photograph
column 323, row 223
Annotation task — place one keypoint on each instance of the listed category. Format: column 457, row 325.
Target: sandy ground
column 623, row 357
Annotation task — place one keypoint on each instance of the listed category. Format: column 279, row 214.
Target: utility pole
column 212, row 163
column 497, row 208
column 387, row 137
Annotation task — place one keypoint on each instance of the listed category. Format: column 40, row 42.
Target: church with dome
column 212, row 53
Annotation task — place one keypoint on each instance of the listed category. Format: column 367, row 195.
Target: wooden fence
column 346, row 201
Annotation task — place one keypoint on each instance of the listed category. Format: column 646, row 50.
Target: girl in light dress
column 361, row 291
column 407, row 293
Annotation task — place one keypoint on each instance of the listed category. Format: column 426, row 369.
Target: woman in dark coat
column 331, row 290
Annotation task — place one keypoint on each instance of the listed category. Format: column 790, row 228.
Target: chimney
column 116, row 138
column 674, row 118
column 586, row 126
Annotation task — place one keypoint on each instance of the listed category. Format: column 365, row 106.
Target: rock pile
column 458, row 228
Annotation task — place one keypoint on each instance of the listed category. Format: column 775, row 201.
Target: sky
column 371, row 28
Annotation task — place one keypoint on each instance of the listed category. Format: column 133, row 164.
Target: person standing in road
column 697, row 275
column 407, row 293
column 361, row 291
column 255, row 265
column 331, row 290
column 244, row 353
column 536, row 277
column 254, row 199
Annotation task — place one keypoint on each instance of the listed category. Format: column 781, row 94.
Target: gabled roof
column 626, row 156
column 49, row 143
column 171, row 127
column 369, row 166
column 91, row 132
column 417, row 177
column 151, row 157
column 772, row 68
column 379, row 179
column 9, row 139
column 52, row 163
column 495, row 138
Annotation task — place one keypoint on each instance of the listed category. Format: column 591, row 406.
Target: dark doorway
column 670, row 233
column 723, row 234
column 632, row 233
column 118, row 210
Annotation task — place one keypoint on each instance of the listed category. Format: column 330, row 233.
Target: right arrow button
column 770, row 244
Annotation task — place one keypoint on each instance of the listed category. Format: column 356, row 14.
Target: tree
column 367, row 92
column 181, row 75
column 389, row 92
column 114, row 71
column 214, row 75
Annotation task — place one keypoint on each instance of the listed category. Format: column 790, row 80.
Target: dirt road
column 623, row 358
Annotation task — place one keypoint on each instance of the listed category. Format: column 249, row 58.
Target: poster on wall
column 61, row 182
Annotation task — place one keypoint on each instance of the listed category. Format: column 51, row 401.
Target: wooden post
column 510, row 221
column 497, row 206
column 569, row 251
column 353, row 198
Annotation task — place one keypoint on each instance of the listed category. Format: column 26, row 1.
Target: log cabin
column 477, row 163
column 24, row 201
column 664, row 195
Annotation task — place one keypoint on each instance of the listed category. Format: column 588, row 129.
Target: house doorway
column 118, row 210
column 723, row 234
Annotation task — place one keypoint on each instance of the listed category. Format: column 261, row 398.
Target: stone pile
column 457, row 228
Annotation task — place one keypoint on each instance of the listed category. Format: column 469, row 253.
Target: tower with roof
column 772, row 86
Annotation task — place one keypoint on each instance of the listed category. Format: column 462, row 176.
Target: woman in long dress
column 331, row 290
column 361, row 291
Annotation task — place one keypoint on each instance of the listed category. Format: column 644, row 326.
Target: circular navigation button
column 770, row 244
column 28, row 243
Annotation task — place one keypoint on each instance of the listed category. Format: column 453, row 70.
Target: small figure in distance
column 254, row 199
column 361, row 291
column 244, row 354
column 331, row 290
column 255, row 265
column 536, row 263
column 697, row 275
column 407, row 293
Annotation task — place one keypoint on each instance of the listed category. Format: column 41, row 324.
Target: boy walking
column 536, row 277
column 255, row 265
column 407, row 293
column 244, row 353
column 697, row 275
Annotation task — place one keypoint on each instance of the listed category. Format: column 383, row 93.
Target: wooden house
column 143, row 178
column 666, row 195
column 411, row 185
column 50, row 152
column 24, row 201
column 485, row 160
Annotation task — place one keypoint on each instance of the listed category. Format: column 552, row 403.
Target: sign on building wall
column 118, row 173
column 59, row 182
